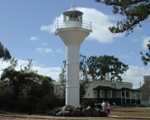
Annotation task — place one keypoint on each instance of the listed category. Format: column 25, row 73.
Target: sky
column 27, row 30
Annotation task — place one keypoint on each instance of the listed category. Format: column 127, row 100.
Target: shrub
column 5, row 99
column 91, row 102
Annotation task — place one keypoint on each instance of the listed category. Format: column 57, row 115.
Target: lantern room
column 72, row 14
column 72, row 17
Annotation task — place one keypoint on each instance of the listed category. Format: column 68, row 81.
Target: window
column 122, row 93
column 73, row 16
column 127, row 94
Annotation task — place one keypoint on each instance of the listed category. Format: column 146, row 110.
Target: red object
column 77, row 18
column 108, row 106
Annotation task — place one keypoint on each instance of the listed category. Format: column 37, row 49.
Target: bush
column 48, row 102
column 5, row 99
column 91, row 102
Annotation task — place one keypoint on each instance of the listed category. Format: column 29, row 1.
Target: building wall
column 95, row 83
column 90, row 92
column 120, row 85
column 145, row 90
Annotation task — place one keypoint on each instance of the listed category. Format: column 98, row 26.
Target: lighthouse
column 72, row 30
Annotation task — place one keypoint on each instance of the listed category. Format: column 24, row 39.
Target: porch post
column 121, row 96
column 110, row 93
column 135, row 97
column 140, row 97
column 100, row 93
column 130, row 98
column 125, row 96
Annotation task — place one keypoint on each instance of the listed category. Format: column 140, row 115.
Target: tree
column 30, row 91
column 146, row 57
column 134, row 11
column 84, row 78
column 99, row 66
column 4, row 53
column 63, row 79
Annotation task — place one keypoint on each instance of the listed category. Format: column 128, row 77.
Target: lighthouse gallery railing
column 84, row 24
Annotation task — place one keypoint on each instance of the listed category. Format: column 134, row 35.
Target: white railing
column 67, row 24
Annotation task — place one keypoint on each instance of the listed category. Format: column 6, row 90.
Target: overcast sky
column 27, row 29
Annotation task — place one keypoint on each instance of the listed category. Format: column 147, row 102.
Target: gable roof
column 110, row 88
column 105, row 88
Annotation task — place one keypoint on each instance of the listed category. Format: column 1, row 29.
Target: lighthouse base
column 72, row 97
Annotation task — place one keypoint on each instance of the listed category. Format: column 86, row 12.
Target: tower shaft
column 72, row 76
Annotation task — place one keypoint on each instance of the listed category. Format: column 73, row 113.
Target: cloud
column 44, row 43
column 100, row 24
column 135, row 75
column 6, row 64
column 32, row 38
column 136, row 39
column 38, row 50
column 52, row 72
column 125, row 56
column 60, row 51
column 145, row 42
column 47, row 50
column 132, row 53
column 43, row 50
column 51, row 28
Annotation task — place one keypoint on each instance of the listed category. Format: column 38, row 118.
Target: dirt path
column 57, row 118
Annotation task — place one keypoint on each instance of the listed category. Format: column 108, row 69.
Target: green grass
column 130, row 112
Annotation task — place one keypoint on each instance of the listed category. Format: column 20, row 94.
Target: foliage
column 63, row 79
column 4, row 53
column 146, row 57
column 29, row 91
column 5, row 100
column 98, row 66
column 89, row 102
column 84, row 85
column 135, row 12
column 84, row 79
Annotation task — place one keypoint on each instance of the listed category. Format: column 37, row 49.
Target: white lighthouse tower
column 72, row 30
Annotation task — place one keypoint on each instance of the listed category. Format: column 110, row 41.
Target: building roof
column 110, row 88
column 128, row 89
column 105, row 88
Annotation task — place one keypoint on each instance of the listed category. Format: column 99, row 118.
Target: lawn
column 130, row 111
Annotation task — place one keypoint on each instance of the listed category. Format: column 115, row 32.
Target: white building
column 145, row 90
column 113, row 91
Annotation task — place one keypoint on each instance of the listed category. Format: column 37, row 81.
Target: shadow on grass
column 123, row 111
column 131, row 118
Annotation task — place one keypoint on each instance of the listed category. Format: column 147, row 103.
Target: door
column 98, row 94
column 105, row 93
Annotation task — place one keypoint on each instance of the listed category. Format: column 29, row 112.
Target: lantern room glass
column 73, row 16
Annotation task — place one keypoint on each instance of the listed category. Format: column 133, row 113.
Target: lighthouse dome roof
column 72, row 10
